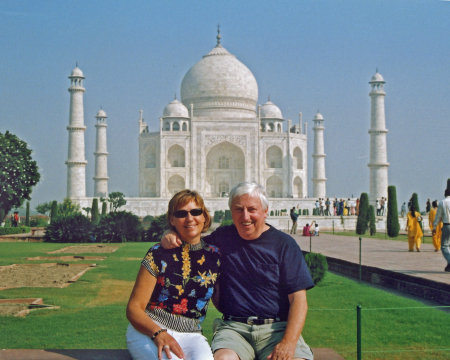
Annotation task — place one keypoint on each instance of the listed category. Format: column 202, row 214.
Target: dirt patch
column 41, row 275
column 22, row 307
column 80, row 249
column 68, row 258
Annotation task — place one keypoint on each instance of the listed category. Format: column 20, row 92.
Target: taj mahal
column 216, row 136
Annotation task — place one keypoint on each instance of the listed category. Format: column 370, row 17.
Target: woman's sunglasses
column 180, row 214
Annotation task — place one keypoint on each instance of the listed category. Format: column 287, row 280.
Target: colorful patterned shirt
column 185, row 282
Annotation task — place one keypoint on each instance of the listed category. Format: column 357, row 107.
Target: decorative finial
column 218, row 37
column 376, row 70
column 175, row 96
column 268, row 97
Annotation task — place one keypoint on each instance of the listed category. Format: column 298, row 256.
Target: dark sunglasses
column 180, row 214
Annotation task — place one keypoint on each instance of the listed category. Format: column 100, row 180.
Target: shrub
column 38, row 221
column 228, row 214
column 104, row 208
column 318, row 266
column 120, row 226
column 95, row 216
column 226, row 222
column 27, row 216
column 363, row 216
column 372, row 221
column 53, row 211
column 218, row 216
column 72, row 228
column 306, row 212
column 14, row 230
column 157, row 228
column 393, row 226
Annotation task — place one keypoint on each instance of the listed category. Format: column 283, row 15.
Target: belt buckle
column 251, row 319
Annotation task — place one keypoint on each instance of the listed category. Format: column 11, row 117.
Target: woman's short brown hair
column 183, row 197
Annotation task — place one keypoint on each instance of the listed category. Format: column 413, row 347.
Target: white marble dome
column 176, row 109
column 377, row 78
column 101, row 114
column 270, row 111
column 318, row 116
column 76, row 72
column 220, row 82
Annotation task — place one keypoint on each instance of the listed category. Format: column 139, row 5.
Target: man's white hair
column 250, row 188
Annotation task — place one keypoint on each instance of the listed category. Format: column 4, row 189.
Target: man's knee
column 225, row 354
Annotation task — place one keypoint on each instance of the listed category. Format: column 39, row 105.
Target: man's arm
column 170, row 240
column 298, row 309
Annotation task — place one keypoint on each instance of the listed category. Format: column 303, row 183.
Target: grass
column 378, row 235
column 92, row 312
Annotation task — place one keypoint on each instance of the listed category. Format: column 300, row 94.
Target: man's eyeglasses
column 180, row 214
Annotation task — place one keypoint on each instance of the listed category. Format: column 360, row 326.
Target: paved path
column 385, row 254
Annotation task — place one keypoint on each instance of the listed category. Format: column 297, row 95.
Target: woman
column 438, row 233
column 173, row 287
column 413, row 228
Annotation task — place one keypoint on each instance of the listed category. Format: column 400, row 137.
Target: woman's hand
column 170, row 240
column 165, row 342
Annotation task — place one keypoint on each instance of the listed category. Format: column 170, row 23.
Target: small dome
column 270, row 111
column 176, row 109
column 377, row 78
column 318, row 116
column 77, row 72
column 101, row 114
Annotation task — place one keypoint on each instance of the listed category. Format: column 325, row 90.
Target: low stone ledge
column 108, row 354
column 404, row 283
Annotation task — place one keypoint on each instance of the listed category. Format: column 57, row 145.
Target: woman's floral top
column 185, row 278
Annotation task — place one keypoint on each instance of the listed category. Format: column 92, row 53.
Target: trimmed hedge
column 120, row 226
column 318, row 266
column 14, row 230
column 75, row 228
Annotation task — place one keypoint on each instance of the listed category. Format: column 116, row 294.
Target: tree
column 119, row 226
column 104, row 209
column 363, row 215
column 95, row 216
column 53, row 211
column 27, row 214
column 18, row 172
column 68, row 208
column 372, row 221
column 393, row 226
column 44, row 208
column 414, row 200
column 116, row 199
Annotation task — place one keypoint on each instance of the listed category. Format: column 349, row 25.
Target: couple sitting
column 311, row 230
column 261, row 290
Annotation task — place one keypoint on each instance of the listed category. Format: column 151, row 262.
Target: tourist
column 15, row 219
column 378, row 206
column 382, row 205
column 413, row 228
column 173, row 287
column 327, row 207
column 316, row 230
column 438, row 232
column 263, row 283
column 306, row 231
column 403, row 212
column 321, row 207
column 443, row 214
column 428, row 206
column 294, row 218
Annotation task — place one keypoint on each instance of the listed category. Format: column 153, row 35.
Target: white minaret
column 319, row 180
column 378, row 164
column 76, row 162
column 101, row 157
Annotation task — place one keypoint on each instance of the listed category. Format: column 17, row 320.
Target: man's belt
column 251, row 320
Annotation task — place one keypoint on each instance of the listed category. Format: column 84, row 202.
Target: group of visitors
column 15, row 219
column 438, row 221
column 335, row 207
column 255, row 275
column 381, row 206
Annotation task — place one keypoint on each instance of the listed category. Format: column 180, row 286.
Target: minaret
column 378, row 164
column 101, row 157
column 76, row 162
column 319, row 180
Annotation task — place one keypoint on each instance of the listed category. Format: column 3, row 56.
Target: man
column 294, row 218
column 443, row 214
column 263, row 283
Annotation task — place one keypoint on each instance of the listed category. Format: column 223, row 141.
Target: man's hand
column 170, row 240
column 283, row 351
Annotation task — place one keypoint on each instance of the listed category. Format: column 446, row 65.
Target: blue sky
column 307, row 55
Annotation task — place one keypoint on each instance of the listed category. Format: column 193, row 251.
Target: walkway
column 386, row 254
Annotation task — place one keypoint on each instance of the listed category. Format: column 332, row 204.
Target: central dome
column 220, row 83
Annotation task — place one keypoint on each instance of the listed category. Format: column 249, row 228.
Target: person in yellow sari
column 438, row 233
column 413, row 228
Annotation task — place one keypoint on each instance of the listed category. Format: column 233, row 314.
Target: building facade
column 217, row 136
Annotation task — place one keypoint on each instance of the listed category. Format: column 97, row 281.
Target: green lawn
column 92, row 312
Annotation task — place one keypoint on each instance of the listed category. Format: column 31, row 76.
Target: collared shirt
column 443, row 212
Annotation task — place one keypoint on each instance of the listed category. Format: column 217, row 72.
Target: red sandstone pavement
column 385, row 254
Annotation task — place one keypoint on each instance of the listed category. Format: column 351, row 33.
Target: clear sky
column 307, row 55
